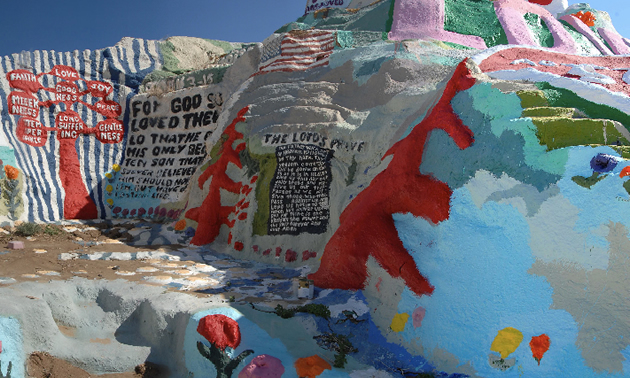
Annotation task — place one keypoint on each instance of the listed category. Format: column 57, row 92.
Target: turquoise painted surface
column 7, row 155
column 252, row 337
column 12, row 347
column 514, row 209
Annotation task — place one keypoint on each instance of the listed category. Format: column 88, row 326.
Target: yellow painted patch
column 506, row 341
column 399, row 321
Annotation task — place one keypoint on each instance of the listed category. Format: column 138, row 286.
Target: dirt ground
column 38, row 261
column 43, row 365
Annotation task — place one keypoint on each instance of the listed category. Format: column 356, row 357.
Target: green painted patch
column 549, row 112
column 559, row 97
column 474, row 17
column 538, row 26
column 352, row 170
column 390, row 18
column 167, row 79
column 532, row 99
column 587, row 182
column 226, row 46
column 559, row 132
column 585, row 47
column 375, row 18
column 267, row 164
column 452, row 45
column 623, row 151
column 170, row 62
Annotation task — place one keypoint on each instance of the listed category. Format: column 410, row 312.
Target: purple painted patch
column 417, row 316
column 263, row 366
column 603, row 163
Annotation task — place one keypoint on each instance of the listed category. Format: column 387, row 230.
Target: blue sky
column 70, row 24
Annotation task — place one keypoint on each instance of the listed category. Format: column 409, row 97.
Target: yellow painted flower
column 506, row 341
column 109, row 188
column 399, row 321
column 109, row 175
column 116, row 167
column 110, row 201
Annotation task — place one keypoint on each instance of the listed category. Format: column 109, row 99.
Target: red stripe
column 312, row 58
column 312, row 42
column 295, row 66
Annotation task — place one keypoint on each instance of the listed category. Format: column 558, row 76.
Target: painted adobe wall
column 478, row 205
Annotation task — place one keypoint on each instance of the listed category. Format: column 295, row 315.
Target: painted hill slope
column 459, row 166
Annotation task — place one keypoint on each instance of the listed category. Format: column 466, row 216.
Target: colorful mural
column 451, row 176
column 69, row 91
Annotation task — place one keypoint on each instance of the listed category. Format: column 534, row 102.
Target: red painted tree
column 366, row 225
column 211, row 214
column 68, row 126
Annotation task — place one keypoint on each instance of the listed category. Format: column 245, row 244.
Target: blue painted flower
column 603, row 163
column 190, row 232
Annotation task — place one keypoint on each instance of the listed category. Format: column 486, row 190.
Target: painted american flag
column 297, row 50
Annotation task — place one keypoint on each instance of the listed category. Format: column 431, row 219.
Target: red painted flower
column 220, row 331
column 539, row 345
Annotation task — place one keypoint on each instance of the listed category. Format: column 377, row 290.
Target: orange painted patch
column 539, row 345
column 588, row 18
column 625, row 172
column 180, row 225
column 311, row 367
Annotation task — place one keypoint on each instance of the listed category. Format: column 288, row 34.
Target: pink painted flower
column 220, row 331
column 417, row 316
column 263, row 366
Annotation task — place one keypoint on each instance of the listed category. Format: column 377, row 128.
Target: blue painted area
column 479, row 260
column 12, row 347
column 480, row 272
column 374, row 349
column 276, row 272
column 130, row 196
column 252, row 337
column 608, row 194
